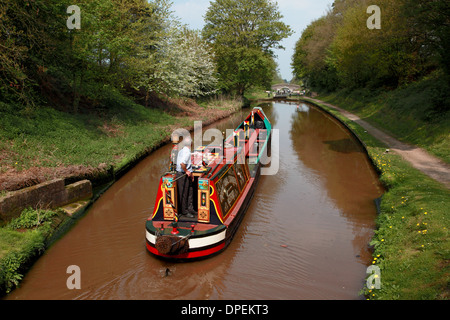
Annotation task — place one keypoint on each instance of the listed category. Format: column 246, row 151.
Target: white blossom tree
column 173, row 59
column 186, row 64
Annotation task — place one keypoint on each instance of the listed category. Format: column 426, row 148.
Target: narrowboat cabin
column 225, row 177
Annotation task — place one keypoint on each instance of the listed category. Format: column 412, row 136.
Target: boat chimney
column 246, row 127
column 175, row 228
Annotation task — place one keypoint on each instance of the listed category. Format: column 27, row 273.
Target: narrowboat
column 225, row 177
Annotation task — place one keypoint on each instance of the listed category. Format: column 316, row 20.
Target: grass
column 221, row 103
column 411, row 241
column 22, row 240
column 50, row 138
column 114, row 134
column 417, row 114
column 410, row 245
column 257, row 94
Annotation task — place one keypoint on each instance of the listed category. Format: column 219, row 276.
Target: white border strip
column 150, row 237
column 207, row 241
column 196, row 243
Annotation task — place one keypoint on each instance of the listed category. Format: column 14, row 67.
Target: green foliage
column 132, row 46
column 122, row 130
column 242, row 68
column 26, row 33
column 243, row 34
column 23, row 248
column 30, row 218
column 339, row 51
column 416, row 113
column 110, row 33
column 311, row 61
column 429, row 21
column 19, row 248
column 410, row 243
column 10, row 266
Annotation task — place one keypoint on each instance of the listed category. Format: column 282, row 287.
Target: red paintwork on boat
column 232, row 179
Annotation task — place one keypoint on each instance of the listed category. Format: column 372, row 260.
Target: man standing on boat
column 185, row 179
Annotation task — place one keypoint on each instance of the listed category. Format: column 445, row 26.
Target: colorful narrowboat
column 225, row 179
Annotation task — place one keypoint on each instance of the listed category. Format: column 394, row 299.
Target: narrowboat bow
column 225, row 177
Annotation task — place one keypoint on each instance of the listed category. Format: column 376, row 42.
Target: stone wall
column 47, row 195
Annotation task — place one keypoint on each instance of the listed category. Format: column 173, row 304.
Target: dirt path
column 419, row 158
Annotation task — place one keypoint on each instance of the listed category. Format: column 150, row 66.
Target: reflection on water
column 304, row 236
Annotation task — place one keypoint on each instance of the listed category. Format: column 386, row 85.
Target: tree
column 243, row 34
column 311, row 61
column 186, row 65
column 146, row 63
column 99, row 51
column 338, row 50
column 375, row 57
column 27, row 31
column 242, row 68
column 429, row 22
column 172, row 59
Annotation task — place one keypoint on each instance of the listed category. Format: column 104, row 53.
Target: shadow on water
column 343, row 145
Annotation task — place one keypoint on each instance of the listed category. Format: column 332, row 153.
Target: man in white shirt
column 185, row 181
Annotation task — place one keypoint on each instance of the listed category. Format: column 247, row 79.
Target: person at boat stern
column 185, row 179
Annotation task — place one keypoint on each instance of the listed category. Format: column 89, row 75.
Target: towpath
column 418, row 157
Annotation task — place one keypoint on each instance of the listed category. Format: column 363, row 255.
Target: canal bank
column 305, row 234
column 410, row 245
column 24, row 238
column 406, row 243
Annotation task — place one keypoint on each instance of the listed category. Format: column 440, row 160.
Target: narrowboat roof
column 212, row 164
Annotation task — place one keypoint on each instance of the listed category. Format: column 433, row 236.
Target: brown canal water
column 304, row 236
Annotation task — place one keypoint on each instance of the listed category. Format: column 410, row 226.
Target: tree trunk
column 76, row 94
column 77, row 83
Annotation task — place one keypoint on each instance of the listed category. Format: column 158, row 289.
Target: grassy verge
column 257, row 94
column 410, row 245
column 417, row 114
column 22, row 241
column 43, row 142
column 106, row 137
column 49, row 138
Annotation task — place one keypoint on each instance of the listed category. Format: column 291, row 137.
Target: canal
column 304, row 236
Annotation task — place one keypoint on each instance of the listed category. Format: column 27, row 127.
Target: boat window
column 241, row 175
column 227, row 190
column 251, row 165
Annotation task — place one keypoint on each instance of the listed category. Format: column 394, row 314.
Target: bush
column 14, row 264
column 31, row 218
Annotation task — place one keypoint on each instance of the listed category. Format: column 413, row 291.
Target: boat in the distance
column 225, row 179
